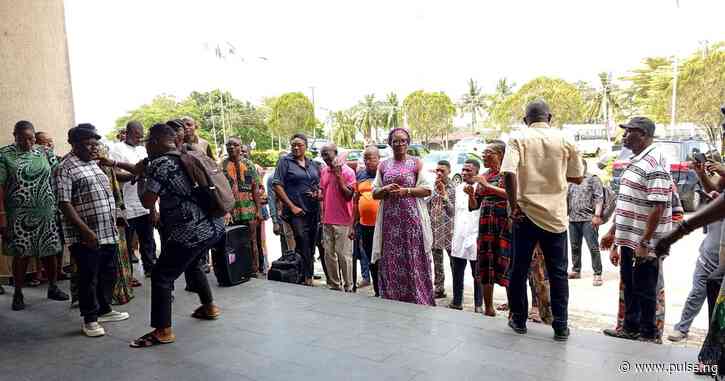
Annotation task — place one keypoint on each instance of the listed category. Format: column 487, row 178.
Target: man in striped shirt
column 643, row 215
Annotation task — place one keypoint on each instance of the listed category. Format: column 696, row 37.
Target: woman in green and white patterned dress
column 28, row 209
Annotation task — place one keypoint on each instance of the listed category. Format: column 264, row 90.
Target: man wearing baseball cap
column 643, row 215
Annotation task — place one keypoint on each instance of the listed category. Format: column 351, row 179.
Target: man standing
column 192, row 139
column 585, row 202
column 537, row 165
column 337, row 182
column 89, row 227
column 643, row 214
column 441, row 206
column 140, row 220
column 263, row 215
column 465, row 236
column 188, row 230
column 366, row 210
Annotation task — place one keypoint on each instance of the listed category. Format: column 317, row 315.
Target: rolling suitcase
column 232, row 257
column 287, row 268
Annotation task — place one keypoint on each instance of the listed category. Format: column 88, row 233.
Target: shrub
column 265, row 158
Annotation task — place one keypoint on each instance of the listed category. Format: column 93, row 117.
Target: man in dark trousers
column 539, row 162
column 188, row 232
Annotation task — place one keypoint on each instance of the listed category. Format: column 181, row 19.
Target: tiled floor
column 275, row 331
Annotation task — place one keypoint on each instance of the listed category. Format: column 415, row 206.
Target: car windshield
column 434, row 157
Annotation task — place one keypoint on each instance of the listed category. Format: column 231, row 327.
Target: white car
column 475, row 145
column 457, row 160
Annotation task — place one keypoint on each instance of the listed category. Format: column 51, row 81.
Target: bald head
column 371, row 157
column 537, row 111
column 328, row 153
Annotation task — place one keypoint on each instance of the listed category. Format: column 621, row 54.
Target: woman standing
column 494, row 235
column 28, row 209
column 403, row 237
column 297, row 184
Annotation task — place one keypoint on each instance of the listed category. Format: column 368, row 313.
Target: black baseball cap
column 641, row 123
column 83, row 131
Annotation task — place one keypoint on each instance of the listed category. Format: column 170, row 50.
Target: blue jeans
column 359, row 253
column 697, row 296
column 577, row 231
column 554, row 246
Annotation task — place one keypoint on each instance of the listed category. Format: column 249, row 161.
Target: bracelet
column 407, row 191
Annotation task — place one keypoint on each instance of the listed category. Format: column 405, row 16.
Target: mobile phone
column 699, row 157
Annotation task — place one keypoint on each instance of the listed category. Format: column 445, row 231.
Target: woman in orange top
column 366, row 209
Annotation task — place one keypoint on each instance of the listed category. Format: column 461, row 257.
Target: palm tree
column 367, row 116
column 473, row 102
column 504, row 89
column 343, row 125
column 392, row 112
column 604, row 105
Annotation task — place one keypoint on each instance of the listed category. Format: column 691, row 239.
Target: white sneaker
column 113, row 316
column 93, row 329
column 677, row 336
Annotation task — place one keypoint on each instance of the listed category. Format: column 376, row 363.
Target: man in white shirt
column 141, row 221
column 465, row 236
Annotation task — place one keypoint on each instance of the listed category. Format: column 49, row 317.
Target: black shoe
column 561, row 334
column 55, row 293
column 2, row 290
column 134, row 259
column 18, row 302
column 440, row 294
column 518, row 328
column 455, row 306
column 205, row 267
column 147, row 274
column 621, row 334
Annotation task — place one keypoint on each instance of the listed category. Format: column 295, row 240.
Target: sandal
column 149, row 340
column 135, row 283
column 502, row 307
column 202, row 313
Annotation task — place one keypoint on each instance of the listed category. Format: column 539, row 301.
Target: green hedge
column 265, row 158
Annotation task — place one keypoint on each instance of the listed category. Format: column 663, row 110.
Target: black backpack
column 288, row 269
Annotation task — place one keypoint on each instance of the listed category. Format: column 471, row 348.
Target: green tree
column 368, row 117
column 701, row 90
column 429, row 115
column 647, row 91
column 343, row 128
column 292, row 113
column 564, row 98
column 473, row 102
column 393, row 114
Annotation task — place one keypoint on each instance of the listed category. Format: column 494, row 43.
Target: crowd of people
column 511, row 219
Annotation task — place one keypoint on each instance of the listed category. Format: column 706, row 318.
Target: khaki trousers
column 338, row 256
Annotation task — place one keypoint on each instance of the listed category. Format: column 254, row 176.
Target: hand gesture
column 614, row 256
column 516, row 214
column 698, row 167
column 607, row 241
column 392, row 189
column 89, row 239
column 297, row 211
column 481, row 180
column 104, row 161
column 713, row 167
column 597, row 221
column 440, row 186
column 469, row 190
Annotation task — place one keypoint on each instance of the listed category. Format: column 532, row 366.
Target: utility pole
column 314, row 120
column 673, row 116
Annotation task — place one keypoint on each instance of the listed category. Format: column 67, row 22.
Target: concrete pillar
column 34, row 69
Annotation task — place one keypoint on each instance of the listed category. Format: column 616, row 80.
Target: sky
column 124, row 53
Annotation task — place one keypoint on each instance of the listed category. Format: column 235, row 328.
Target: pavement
column 277, row 331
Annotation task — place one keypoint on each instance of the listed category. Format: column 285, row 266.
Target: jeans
column 174, row 260
column 143, row 228
column 577, row 230
column 305, row 230
column 458, row 268
column 697, row 296
column 554, row 246
column 97, row 273
column 366, row 236
column 359, row 253
column 640, row 293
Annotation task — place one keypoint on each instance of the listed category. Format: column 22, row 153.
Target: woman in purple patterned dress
column 402, row 243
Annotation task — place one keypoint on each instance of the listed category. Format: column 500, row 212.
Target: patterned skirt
column 494, row 246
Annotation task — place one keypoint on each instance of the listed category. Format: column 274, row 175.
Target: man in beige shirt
column 539, row 162
column 192, row 139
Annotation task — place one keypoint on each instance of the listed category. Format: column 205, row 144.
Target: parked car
column 316, row 145
column 417, row 150
column 456, row 158
column 474, row 145
column 678, row 155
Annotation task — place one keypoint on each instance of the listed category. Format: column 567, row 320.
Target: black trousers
column 367, row 233
column 97, row 273
column 305, row 230
column 640, row 293
column 554, row 246
column 174, row 260
column 458, row 268
column 146, row 243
